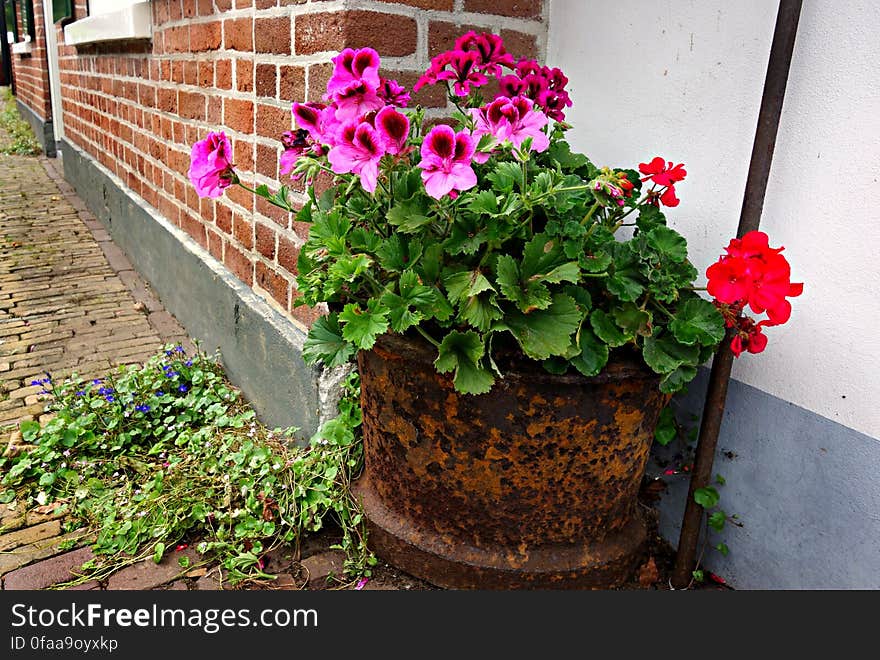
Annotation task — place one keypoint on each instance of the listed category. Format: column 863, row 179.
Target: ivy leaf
column 362, row 326
column 723, row 549
column 607, row 330
column 593, row 354
column 664, row 354
column 666, row 430
column 29, row 430
column 326, row 344
column 717, row 520
column 461, row 352
column 546, row 332
column 408, row 216
column 698, row 320
column 669, row 243
column 707, row 497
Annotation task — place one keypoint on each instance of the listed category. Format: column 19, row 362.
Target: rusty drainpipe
column 749, row 219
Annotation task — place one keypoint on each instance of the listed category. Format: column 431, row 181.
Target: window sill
column 134, row 22
column 22, row 48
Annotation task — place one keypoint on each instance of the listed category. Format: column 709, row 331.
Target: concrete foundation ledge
column 43, row 130
column 261, row 349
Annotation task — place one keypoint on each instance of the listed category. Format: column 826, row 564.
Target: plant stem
column 590, row 213
column 425, row 334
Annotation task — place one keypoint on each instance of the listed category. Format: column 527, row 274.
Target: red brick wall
column 31, row 70
column 238, row 64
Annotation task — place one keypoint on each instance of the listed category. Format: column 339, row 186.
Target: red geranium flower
column 663, row 173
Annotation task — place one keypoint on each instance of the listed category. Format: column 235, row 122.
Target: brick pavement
column 71, row 302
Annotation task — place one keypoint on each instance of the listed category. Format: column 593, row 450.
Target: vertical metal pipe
column 750, row 217
column 5, row 50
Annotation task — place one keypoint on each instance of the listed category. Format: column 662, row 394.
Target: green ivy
column 169, row 452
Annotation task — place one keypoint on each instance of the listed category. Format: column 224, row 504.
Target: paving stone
column 30, row 535
column 40, row 575
column 27, row 554
column 148, row 574
column 322, row 566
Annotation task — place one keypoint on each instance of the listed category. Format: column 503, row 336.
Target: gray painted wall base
column 260, row 348
column 806, row 490
column 43, row 130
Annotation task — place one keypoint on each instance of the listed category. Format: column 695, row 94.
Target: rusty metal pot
column 533, row 485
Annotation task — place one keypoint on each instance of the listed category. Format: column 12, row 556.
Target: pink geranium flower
column 211, row 170
column 464, row 71
column 393, row 93
column 295, row 144
column 358, row 149
column 355, row 101
column 512, row 120
column 446, row 161
column 351, row 67
column 393, row 126
column 489, row 47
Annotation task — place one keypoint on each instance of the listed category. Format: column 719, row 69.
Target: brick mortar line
column 252, row 254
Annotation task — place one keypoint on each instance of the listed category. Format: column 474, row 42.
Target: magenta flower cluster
column 361, row 123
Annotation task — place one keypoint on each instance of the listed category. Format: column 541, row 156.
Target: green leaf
column 480, row 311
column 581, row 297
column 29, row 430
column 720, row 480
column 426, row 300
column 699, row 576
column 607, row 330
column 362, row 240
column 409, row 216
column 546, row 332
column 461, row 352
column 528, row 296
column 723, row 549
column 362, row 326
column 325, row 343
column 706, row 497
column 561, row 152
column 633, row 320
column 47, row 479
column 465, row 284
column 650, row 216
column 466, row 237
column 350, row 267
column 664, row 354
column 675, row 380
column 698, row 321
column 717, row 520
column 484, row 201
column 666, row 428
column 396, row 253
column 158, row 551
column 505, row 176
column 669, row 243
column 593, row 354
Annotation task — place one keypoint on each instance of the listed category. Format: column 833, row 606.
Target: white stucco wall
column 683, row 79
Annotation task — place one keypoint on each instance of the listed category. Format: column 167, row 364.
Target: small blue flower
column 171, row 374
column 104, row 391
column 81, row 393
column 110, row 398
column 97, row 381
column 189, row 362
column 160, row 393
column 183, row 388
column 168, row 353
column 44, row 391
column 179, row 349
column 142, row 408
column 36, row 382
